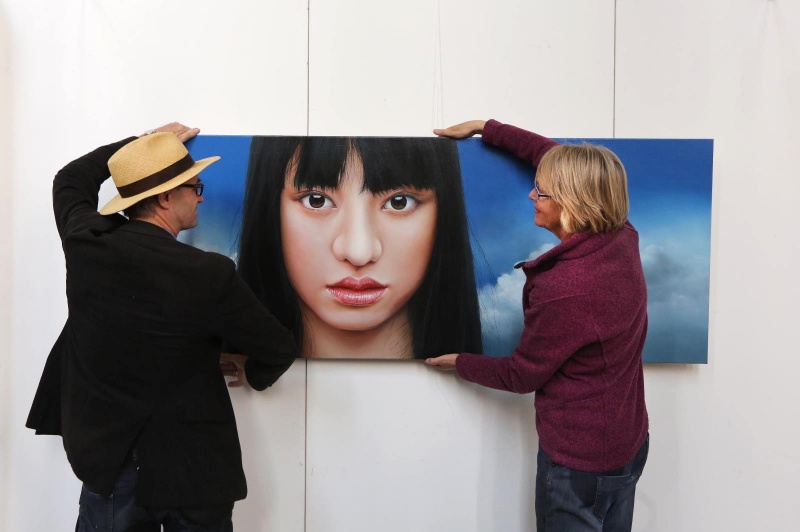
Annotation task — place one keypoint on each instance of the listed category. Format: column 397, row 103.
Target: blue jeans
column 120, row 513
column 567, row 499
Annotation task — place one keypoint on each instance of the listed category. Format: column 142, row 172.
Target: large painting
column 398, row 248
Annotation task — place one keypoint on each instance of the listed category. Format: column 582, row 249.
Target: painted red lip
column 357, row 292
column 350, row 283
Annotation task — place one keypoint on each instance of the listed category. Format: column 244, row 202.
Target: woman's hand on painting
column 463, row 130
column 232, row 365
column 183, row 133
column 444, row 362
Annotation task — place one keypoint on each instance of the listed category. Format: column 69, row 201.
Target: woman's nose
column 357, row 241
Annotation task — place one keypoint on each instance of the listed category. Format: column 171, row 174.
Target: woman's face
column 356, row 258
column 547, row 212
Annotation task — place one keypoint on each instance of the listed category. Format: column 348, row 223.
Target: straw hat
column 150, row 165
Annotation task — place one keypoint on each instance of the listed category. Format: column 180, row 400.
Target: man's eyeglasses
column 539, row 195
column 198, row 188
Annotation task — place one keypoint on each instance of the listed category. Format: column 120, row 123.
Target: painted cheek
column 414, row 256
column 305, row 242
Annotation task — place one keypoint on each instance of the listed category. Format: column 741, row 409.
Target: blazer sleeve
column 524, row 144
column 75, row 190
column 242, row 321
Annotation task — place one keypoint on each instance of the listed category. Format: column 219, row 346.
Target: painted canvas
column 392, row 248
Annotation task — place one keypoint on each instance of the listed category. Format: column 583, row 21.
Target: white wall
column 5, row 255
column 388, row 446
column 725, row 436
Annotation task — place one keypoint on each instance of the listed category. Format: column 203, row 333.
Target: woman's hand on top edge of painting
column 445, row 362
column 463, row 130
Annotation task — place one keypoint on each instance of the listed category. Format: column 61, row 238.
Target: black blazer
column 138, row 360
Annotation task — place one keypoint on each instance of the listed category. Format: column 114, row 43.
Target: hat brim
column 118, row 203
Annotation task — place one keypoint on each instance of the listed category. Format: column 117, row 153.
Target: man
column 133, row 383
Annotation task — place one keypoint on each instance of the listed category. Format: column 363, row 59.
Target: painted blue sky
column 670, row 188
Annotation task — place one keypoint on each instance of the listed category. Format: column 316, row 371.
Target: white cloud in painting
column 501, row 309
column 677, row 300
column 673, row 282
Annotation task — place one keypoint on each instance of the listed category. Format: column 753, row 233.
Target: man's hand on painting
column 232, row 365
column 444, row 362
column 183, row 133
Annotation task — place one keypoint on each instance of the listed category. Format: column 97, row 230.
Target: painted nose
column 357, row 241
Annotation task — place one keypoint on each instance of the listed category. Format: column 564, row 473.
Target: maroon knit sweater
column 585, row 307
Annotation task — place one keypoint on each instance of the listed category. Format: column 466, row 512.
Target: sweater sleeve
column 524, row 144
column 554, row 331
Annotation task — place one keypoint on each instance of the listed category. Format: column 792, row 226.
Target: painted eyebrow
column 399, row 188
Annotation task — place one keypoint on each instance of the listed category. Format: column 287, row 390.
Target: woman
column 585, row 306
column 360, row 245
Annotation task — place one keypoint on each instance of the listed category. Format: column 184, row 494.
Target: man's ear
column 164, row 199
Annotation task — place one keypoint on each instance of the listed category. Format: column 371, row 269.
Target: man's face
column 186, row 201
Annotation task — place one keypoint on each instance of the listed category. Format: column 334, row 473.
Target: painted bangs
column 389, row 163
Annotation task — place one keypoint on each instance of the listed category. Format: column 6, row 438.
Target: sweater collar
column 576, row 246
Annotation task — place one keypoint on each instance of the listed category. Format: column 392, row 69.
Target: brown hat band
column 159, row 178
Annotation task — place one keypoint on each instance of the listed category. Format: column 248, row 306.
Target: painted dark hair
column 443, row 312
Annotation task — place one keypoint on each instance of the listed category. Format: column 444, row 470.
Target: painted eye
column 400, row 202
column 316, row 201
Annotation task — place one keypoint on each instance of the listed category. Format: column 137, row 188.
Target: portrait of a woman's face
column 356, row 257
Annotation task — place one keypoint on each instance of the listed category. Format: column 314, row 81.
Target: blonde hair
column 590, row 185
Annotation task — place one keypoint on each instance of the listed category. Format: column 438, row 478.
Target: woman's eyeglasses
column 539, row 195
column 198, row 188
